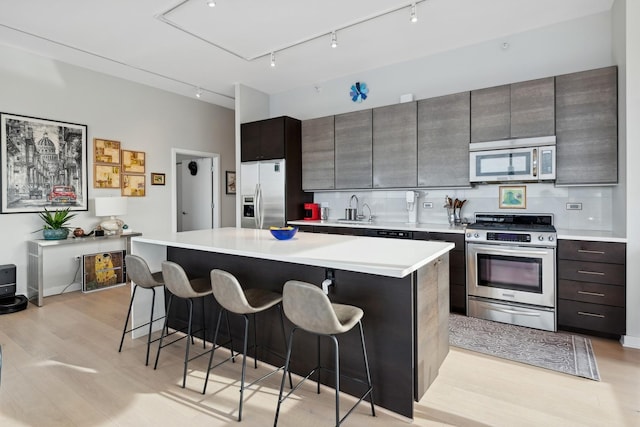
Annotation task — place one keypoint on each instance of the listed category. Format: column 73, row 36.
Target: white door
column 195, row 195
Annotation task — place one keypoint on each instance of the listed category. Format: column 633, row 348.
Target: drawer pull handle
column 596, row 273
column 585, row 251
column 595, row 294
column 582, row 313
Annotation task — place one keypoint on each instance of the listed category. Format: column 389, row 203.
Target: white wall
column 624, row 12
column 577, row 45
column 140, row 117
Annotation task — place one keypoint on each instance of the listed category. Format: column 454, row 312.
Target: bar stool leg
column 337, row 369
column 126, row 322
column 284, row 337
column 215, row 340
column 153, row 302
column 244, row 362
column 204, row 330
column 165, row 331
column 284, row 374
column 255, row 342
column 189, row 334
column 366, row 365
column 318, row 365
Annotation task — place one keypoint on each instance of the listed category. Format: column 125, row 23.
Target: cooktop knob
column 468, row 234
column 551, row 239
column 541, row 238
column 476, row 235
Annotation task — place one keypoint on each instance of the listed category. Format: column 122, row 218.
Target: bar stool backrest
column 138, row 271
column 176, row 280
column 309, row 308
column 228, row 292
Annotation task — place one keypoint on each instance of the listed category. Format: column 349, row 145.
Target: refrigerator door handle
column 256, row 207
column 260, row 207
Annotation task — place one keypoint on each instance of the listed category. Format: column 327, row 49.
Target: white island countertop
column 385, row 257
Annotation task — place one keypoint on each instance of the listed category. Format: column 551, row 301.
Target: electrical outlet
column 574, row 206
column 427, row 205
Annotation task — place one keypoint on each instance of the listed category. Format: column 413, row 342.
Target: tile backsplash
column 390, row 206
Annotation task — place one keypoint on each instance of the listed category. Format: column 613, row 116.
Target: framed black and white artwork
column 44, row 164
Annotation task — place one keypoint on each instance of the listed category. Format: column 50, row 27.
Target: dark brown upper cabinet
column 267, row 139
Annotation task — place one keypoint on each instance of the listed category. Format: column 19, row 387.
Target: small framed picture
column 230, row 182
column 512, row 196
column 132, row 161
column 105, row 176
column 133, row 185
column 157, row 178
column 106, row 152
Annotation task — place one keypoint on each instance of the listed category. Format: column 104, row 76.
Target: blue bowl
column 283, row 233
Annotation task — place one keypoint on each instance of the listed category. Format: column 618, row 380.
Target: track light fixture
column 273, row 59
column 334, row 40
column 211, row 3
column 414, row 13
column 198, row 93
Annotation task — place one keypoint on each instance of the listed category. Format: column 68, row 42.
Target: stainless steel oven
column 511, row 272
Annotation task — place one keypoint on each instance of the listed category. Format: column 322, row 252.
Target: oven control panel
column 507, row 237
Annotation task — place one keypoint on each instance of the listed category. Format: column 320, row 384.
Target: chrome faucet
column 351, row 199
column 370, row 218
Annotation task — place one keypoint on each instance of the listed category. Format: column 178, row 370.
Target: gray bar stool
column 233, row 299
column 310, row 309
column 179, row 285
column 142, row 277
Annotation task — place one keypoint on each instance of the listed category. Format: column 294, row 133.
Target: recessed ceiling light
column 211, row 3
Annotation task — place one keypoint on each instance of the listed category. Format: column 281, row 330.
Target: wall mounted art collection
column 118, row 168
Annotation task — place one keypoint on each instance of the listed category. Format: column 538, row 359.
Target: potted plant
column 56, row 223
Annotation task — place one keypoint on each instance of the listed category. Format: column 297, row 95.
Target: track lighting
column 334, row 40
column 273, row 59
column 198, row 93
column 414, row 13
column 211, row 3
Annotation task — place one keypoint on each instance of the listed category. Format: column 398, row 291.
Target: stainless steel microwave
column 513, row 160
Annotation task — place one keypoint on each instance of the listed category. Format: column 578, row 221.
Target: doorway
column 195, row 198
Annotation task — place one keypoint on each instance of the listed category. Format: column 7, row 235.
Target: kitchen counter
column 401, row 285
column 392, row 258
column 439, row 228
column 591, row 235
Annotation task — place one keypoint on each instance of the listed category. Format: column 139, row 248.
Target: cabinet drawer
column 612, row 274
column 581, row 250
column 594, row 293
column 593, row 317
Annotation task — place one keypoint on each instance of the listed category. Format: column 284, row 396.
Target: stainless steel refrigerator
column 263, row 193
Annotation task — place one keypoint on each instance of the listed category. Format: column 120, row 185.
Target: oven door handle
column 497, row 250
column 508, row 311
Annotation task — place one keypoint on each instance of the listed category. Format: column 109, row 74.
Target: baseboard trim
column 630, row 341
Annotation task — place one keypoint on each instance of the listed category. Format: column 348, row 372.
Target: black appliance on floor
column 9, row 302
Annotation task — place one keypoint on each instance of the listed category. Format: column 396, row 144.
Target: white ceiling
column 181, row 45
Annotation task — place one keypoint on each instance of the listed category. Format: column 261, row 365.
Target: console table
column 52, row 263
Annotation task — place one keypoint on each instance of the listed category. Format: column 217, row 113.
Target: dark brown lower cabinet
column 592, row 287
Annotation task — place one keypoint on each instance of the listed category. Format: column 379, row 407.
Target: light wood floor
column 61, row 367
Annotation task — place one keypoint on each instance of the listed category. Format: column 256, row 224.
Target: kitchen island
column 401, row 285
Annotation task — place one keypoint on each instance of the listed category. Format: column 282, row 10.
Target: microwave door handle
column 535, row 162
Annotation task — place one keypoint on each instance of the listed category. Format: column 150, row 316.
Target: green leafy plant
column 56, row 220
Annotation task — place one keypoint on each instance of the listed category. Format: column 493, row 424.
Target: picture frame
column 133, row 161
column 106, row 176
column 133, row 185
column 157, row 178
column 103, row 270
column 106, row 151
column 512, row 197
column 230, row 182
column 43, row 164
